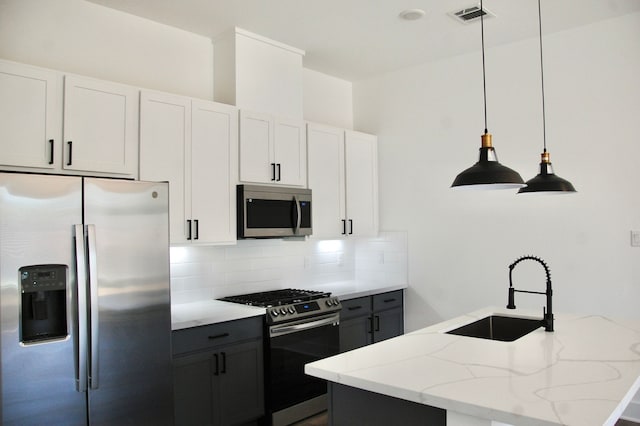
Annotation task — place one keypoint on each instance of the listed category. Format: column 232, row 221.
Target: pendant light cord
column 484, row 80
column 544, row 124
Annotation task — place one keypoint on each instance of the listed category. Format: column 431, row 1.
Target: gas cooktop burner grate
column 276, row 297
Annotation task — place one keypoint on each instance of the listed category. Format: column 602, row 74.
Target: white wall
column 429, row 120
column 84, row 38
column 327, row 99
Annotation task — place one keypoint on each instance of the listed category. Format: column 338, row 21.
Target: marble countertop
column 186, row 315
column 346, row 290
column 193, row 314
column 584, row 373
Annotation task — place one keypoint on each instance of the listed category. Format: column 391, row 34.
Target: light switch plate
column 635, row 238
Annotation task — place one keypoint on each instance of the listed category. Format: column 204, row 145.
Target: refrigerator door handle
column 81, row 274
column 93, row 290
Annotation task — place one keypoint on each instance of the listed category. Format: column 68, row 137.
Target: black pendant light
column 546, row 181
column 487, row 173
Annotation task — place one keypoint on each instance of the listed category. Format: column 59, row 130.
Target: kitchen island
column 584, row 373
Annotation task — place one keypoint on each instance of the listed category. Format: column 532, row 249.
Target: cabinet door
column 193, row 389
column 240, row 383
column 100, row 127
column 361, row 158
column 387, row 324
column 290, row 152
column 30, row 116
column 165, row 135
column 355, row 333
column 256, row 137
column 326, row 178
column 214, row 157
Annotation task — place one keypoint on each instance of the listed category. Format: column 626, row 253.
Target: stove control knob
column 329, row 302
column 283, row 311
column 274, row 313
column 336, row 302
column 291, row 310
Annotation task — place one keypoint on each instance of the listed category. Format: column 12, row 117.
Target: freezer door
column 130, row 379
column 37, row 217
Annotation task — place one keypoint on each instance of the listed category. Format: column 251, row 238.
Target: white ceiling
column 355, row 39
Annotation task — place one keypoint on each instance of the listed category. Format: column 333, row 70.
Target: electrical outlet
column 635, row 238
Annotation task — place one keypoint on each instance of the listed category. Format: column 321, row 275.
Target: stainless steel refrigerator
column 85, row 309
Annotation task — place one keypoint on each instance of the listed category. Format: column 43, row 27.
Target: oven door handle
column 287, row 329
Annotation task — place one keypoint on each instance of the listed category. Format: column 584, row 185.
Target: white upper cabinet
column 343, row 177
column 192, row 144
column 100, row 126
column 290, row 151
column 30, row 116
column 214, row 170
column 165, row 135
column 272, row 150
column 326, row 180
column 92, row 129
column 361, row 170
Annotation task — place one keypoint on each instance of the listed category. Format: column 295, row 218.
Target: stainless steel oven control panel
column 300, row 310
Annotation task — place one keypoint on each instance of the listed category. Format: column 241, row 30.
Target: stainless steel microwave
column 273, row 211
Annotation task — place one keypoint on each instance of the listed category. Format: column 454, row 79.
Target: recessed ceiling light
column 412, row 14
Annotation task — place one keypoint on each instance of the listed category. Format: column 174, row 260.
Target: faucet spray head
column 511, row 303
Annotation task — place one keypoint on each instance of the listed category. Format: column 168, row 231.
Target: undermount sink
column 498, row 327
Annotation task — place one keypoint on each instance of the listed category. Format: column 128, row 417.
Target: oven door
column 292, row 345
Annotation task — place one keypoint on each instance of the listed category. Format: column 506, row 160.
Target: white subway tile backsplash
column 205, row 272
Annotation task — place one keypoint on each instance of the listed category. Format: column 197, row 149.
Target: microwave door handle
column 298, row 215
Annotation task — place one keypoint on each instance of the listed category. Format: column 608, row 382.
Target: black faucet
column 547, row 314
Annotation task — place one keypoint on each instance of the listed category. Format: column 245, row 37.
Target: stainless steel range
column 300, row 327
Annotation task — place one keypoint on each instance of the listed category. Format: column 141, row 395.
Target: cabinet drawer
column 214, row 335
column 388, row 300
column 353, row 308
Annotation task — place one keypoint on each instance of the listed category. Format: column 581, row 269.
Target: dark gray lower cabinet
column 218, row 373
column 350, row 406
column 371, row 319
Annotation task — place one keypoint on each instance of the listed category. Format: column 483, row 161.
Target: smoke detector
column 412, row 14
column 471, row 14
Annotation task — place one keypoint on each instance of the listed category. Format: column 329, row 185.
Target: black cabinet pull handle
column 344, row 227
column 377, row 321
column 224, row 363
column 273, row 171
column 188, row 229
column 218, row 336
column 51, row 151
column 195, row 222
column 354, row 308
column 279, row 172
column 350, row 226
column 216, row 371
column 389, row 300
column 70, row 144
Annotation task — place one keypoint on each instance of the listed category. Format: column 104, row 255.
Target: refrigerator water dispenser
column 43, row 310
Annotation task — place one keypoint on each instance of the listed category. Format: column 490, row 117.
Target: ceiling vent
column 471, row 14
